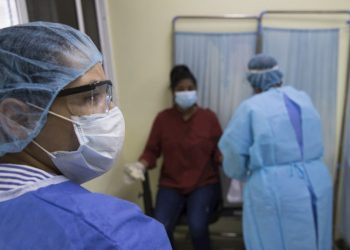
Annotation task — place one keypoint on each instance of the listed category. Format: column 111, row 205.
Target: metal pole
column 341, row 142
column 10, row 12
column 80, row 16
column 259, row 36
column 321, row 12
column 22, row 11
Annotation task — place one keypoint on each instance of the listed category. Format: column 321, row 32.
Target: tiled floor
column 225, row 234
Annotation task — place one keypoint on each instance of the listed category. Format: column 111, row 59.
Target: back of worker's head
column 179, row 73
column 263, row 72
column 37, row 60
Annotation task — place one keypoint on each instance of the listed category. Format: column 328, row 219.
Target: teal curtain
column 309, row 61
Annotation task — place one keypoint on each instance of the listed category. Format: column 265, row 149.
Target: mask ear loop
column 43, row 149
column 53, row 113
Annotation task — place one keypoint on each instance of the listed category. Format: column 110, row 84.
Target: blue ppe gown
column 41, row 211
column 288, row 190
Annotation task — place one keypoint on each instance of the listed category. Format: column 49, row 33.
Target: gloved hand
column 134, row 171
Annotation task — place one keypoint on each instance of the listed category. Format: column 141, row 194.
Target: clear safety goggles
column 89, row 99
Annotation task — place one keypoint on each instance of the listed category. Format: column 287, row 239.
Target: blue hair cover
column 263, row 72
column 37, row 60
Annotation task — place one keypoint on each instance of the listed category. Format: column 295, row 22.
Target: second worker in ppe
column 274, row 144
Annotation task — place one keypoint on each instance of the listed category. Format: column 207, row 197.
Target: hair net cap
column 37, row 60
column 263, row 72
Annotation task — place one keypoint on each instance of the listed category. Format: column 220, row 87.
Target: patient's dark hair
column 179, row 73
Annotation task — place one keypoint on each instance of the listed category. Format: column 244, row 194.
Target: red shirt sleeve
column 153, row 149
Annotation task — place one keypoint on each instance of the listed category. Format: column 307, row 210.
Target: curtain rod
column 304, row 12
column 247, row 16
column 225, row 16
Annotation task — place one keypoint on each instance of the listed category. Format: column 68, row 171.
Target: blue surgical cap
column 263, row 72
column 37, row 60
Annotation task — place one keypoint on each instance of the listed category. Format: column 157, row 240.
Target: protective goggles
column 89, row 99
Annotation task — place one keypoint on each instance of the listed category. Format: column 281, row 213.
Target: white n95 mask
column 101, row 138
column 185, row 99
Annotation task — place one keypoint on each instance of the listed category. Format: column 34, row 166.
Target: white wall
column 141, row 35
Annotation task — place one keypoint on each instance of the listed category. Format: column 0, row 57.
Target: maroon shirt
column 189, row 149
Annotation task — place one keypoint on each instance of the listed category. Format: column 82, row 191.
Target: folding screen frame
column 343, row 116
column 259, row 43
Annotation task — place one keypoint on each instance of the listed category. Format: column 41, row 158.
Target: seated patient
column 186, row 135
column 58, row 129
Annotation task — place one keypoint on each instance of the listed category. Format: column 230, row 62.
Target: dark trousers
column 199, row 205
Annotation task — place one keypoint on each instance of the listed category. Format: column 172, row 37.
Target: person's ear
column 14, row 118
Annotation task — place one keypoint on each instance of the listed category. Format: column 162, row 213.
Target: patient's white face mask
column 186, row 99
column 101, row 138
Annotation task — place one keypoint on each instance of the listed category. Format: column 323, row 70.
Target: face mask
column 101, row 138
column 185, row 99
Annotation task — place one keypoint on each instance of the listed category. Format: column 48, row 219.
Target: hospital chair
column 148, row 204
column 220, row 211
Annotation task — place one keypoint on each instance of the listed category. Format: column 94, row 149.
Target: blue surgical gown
column 288, row 189
column 55, row 213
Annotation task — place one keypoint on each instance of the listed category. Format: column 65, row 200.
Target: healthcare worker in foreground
column 58, row 129
column 274, row 144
